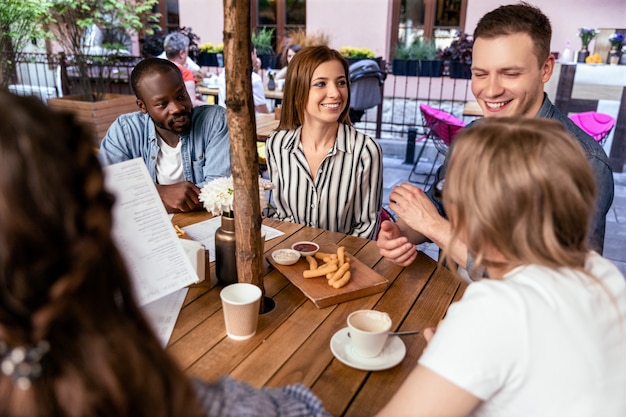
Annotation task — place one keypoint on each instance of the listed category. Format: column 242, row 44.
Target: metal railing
column 399, row 110
column 55, row 75
column 52, row 75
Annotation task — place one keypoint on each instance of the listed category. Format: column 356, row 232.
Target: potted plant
column 586, row 35
column 458, row 56
column 616, row 41
column 262, row 42
column 304, row 39
column 425, row 52
column 72, row 21
column 211, row 55
column 356, row 54
column 400, row 64
column 21, row 21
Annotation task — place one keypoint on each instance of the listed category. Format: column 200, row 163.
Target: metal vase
column 225, row 260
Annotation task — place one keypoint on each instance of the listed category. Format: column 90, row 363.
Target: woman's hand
column 394, row 246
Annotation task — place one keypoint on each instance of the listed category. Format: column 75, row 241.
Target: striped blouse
column 345, row 195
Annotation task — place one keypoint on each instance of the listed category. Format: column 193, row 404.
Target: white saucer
column 392, row 354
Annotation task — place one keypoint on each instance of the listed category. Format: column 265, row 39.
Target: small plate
column 392, row 354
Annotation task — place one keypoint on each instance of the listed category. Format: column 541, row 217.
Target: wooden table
column 208, row 91
column 292, row 344
column 274, row 94
column 472, row 108
column 266, row 123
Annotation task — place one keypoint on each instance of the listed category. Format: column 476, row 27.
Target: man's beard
column 181, row 131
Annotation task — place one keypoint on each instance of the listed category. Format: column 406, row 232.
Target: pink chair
column 385, row 214
column 597, row 125
column 442, row 129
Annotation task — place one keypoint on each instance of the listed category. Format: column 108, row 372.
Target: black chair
column 366, row 81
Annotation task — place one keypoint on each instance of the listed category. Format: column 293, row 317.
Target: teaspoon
column 406, row 333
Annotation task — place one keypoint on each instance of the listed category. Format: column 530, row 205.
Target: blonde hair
column 524, row 187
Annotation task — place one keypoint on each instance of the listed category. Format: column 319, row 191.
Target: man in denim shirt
column 183, row 147
column 511, row 63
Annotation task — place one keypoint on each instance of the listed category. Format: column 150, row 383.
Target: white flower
column 217, row 195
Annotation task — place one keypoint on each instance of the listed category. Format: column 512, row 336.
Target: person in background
column 189, row 63
column 73, row 341
column 183, row 147
column 511, row 62
column 326, row 173
column 292, row 50
column 258, row 88
column 546, row 334
column 176, row 47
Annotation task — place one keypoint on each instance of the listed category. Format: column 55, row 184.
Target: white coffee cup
column 241, row 303
column 369, row 330
column 280, row 85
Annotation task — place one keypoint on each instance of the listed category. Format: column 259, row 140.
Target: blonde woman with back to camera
column 327, row 174
column 545, row 335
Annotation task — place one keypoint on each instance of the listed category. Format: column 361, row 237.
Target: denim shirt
column 599, row 165
column 205, row 150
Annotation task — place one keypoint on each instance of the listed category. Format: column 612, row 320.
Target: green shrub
column 262, row 41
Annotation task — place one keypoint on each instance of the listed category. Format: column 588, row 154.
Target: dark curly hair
column 63, row 281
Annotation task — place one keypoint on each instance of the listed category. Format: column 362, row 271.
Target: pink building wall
column 566, row 17
column 356, row 23
column 206, row 17
column 367, row 23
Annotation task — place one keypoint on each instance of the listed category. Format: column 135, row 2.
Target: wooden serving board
column 363, row 281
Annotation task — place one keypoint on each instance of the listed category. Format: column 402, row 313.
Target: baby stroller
column 366, row 80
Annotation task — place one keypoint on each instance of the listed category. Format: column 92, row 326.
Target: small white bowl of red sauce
column 306, row 248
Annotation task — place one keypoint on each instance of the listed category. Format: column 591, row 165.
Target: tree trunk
column 241, row 125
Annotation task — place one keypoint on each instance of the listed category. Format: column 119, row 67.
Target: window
column 283, row 16
column 434, row 19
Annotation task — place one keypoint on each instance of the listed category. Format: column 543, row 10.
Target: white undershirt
column 169, row 164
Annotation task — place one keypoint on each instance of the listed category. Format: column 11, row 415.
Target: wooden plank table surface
column 292, row 343
column 472, row 108
column 266, row 123
column 274, row 94
column 208, row 91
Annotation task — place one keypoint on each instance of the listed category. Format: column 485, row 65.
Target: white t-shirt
column 541, row 342
column 169, row 164
column 189, row 63
column 258, row 89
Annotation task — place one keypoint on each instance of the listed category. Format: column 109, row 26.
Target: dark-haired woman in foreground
column 73, row 341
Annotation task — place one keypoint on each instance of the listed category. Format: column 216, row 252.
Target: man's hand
column 180, row 197
column 415, row 208
column 394, row 246
column 418, row 216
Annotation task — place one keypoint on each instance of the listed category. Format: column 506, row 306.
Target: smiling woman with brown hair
column 327, row 174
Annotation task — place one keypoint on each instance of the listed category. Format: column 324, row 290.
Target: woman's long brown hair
column 62, row 280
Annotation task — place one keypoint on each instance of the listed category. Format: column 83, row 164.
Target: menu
column 143, row 232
